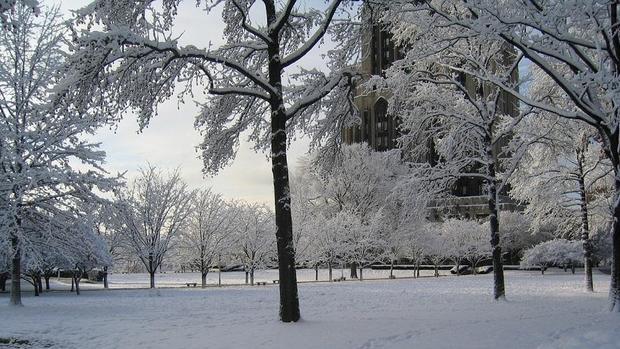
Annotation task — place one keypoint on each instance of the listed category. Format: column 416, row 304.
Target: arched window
column 383, row 125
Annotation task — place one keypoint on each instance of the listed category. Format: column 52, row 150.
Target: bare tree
column 209, row 232
column 154, row 210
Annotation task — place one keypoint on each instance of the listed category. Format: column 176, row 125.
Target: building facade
column 380, row 130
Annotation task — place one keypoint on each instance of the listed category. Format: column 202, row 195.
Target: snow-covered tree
column 432, row 241
column 40, row 148
column 208, row 235
column 357, row 181
column 108, row 224
column 565, row 179
column 253, row 239
column 448, row 113
column 9, row 6
column 558, row 252
column 134, row 62
column 155, row 210
column 466, row 241
column 576, row 44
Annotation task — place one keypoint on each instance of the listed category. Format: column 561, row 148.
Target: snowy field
column 447, row 312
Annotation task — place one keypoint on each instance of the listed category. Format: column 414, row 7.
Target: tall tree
column 209, row 232
column 577, row 44
column 155, row 209
column 135, row 62
column 465, row 121
column 39, row 148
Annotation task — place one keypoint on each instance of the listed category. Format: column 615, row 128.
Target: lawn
column 550, row 311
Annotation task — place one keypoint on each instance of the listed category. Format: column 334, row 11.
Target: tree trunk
column 499, row 291
column 353, row 270
column 436, row 270
column 585, row 232
column 361, row 273
column 542, row 270
column 33, row 280
column 77, row 284
column 316, row 272
column 614, row 288
column 330, row 271
column 16, row 262
column 392, row 269
column 105, row 277
column 72, row 284
column 39, row 284
column 289, row 299
column 247, row 277
column 252, row 276
column 3, row 278
column 152, row 270
column 47, row 282
column 203, row 279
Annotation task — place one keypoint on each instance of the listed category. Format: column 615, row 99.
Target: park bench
column 261, row 283
column 342, row 278
column 276, row 281
column 191, row 284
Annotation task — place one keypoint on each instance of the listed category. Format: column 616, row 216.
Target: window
column 383, row 125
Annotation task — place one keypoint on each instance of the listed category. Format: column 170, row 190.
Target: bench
column 261, row 283
column 192, row 284
column 276, row 281
column 342, row 278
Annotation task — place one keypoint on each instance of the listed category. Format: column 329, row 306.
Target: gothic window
column 383, row 125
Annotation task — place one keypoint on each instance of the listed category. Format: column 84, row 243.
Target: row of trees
column 461, row 63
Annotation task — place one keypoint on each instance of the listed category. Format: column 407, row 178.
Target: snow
column 550, row 311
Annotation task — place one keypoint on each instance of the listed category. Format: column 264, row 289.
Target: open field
column 447, row 312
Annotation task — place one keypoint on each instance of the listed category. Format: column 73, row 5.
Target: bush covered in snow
column 558, row 252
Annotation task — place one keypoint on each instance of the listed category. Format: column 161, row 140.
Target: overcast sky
column 169, row 141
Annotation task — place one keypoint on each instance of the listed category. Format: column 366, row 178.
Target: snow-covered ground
column 448, row 312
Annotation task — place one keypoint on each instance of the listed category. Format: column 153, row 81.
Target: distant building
column 380, row 130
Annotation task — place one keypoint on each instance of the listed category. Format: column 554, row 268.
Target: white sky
column 169, row 141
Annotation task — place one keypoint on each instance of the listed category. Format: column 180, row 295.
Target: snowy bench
column 276, row 281
column 261, row 283
column 192, row 284
column 342, row 278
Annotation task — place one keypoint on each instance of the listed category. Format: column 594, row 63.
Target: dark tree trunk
column 585, row 231
column 16, row 262
column 33, row 279
column 47, row 282
column 39, row 284
column 392, row 269
column 77, row 284
column 247, row 277
column 3, row 278
column 252, row 276
column 499, row 291
column 204, row 278
column 289, row 299
column 436, row 270
column 614, row 289
column 72, row 284
column 353, row 270
column 152, row 270
column 105, row 277
column 330, row 271
column 361, row 273
column 316, row 272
